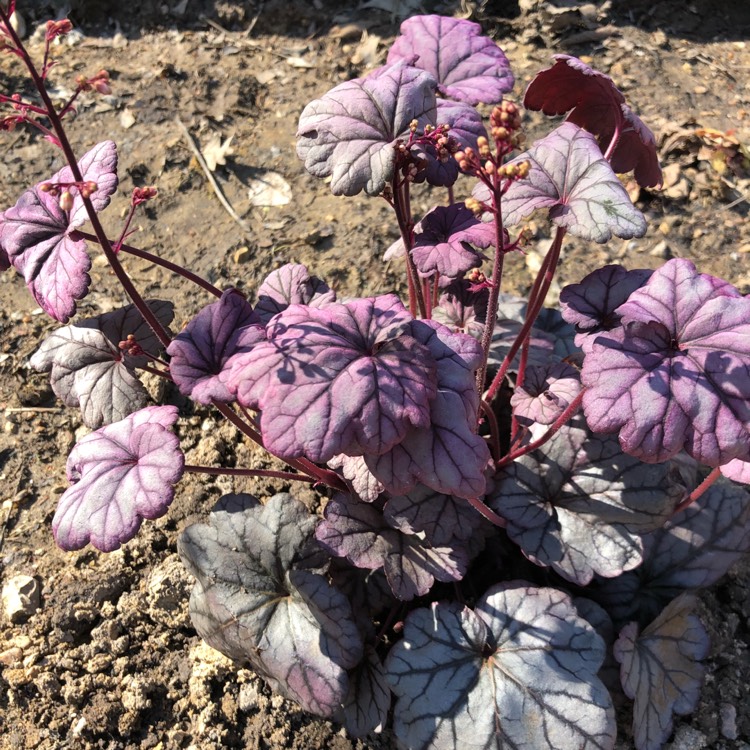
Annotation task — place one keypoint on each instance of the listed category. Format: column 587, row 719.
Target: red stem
column 698, row 491
column 488, row 513
column 62, row 138
column 487, row 412
column 156, row 260
column 154, row 371
column 401, row 206
column 215, row 470
column 556, row 425
column 613, row 143
column 546, row 273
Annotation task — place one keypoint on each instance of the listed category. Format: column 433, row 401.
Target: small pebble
column 21, row 598
column 728, row 716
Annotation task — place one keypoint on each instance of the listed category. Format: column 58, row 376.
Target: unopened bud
column 66, row 200
column 413, row 125
column 489, row 167
column 57, row 28
column 88, row 188
column 523, row 169
column 474, row 206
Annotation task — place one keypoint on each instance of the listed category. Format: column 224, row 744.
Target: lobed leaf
column 468, row 67
column 569, row 176
column 366, row 706
column 578, row 504
column 518, row 671
column 363, row 482
column 661, row 669
column 201, row 354
column 291, row 285
column 350, row 133
column 346, row 378
column 40, row 241
column 260, row 597
column 546, row 393
column 448, row 456
column 88, row 369
column 360, row 533
column 676, row 374
column 596, row 104
column 120, row 474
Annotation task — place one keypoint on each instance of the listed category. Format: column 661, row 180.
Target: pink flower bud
column 66, row 200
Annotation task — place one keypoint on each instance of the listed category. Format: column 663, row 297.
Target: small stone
column 10, row 428
column 168, row 593
column 700, row 90
column 728, row 717
column 11, row 657
column 48, row 684
column 100, row 663
column 687, row 738
column 242, row 254
column 661, row 250
column 135, row 694
column 21, row 598
column 248, row 697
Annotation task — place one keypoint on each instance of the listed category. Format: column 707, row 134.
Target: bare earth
column 109, row 659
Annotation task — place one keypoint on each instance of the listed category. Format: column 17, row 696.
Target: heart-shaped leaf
column 350, row 133
column 291, row 285
column 468, row 67
column 571, row 178
column 661, row 670
column 366, row 706
column 346, row 378
column 462, row 309
column 596, row 104
column 39, row 237
column 444, row 242
column 354, row 468
column 578, row 504
column 88, row 368
column 120, row 474
column 359, row 532
column 201, row 353
column 448, row 456
column 517, row 671
column 546, row 393
column 259, row 597
column 676, row 374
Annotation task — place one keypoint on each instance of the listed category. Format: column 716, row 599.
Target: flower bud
column 474, row 206
column 66, row 200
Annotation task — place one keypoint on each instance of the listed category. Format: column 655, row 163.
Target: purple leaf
column 120, row 474
column 359, row 532
column 444, row 242
column 88, row 369
column 571, row 178
column 737, row 471
column 202, row 352
column 346, row 378
column 259, row 597
column 677, row 373
column 366, row 706
column 546, row 393
column 443, row 519
column 596, row 104
column 541, row 345
column 461, row 309
column 578, row 504
column 354, row 468
column 350, row 133
column 448, row 456
column 661, row 670
column 591, row 305
column 518, row 672
column 468, row 67
column 291, row 285
column 39, row 237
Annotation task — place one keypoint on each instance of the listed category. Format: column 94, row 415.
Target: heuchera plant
column 518, row 502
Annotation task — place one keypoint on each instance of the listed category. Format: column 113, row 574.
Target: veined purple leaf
column 350, row 133
column 366, row 706
column 260, row 597
column 468, row 66
column 120, row 474
column 443, row 519
column 354, row 468
column 4, row 259
column 546, row 393
column 88, row 369
column 291, row 285
column 444, row 242
column 591, row 305
column 202, row 352
column 578, row 504
column 359, row 532
column 40, row 240
column 661, row 670
column 461, row 309
column 571, row 178
column 448, row 456
column 737, row 471
column 677, row 373
column 518, row 671
column 346, row 378
column 596, row 104
column 541, row 345
column 597, row 617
